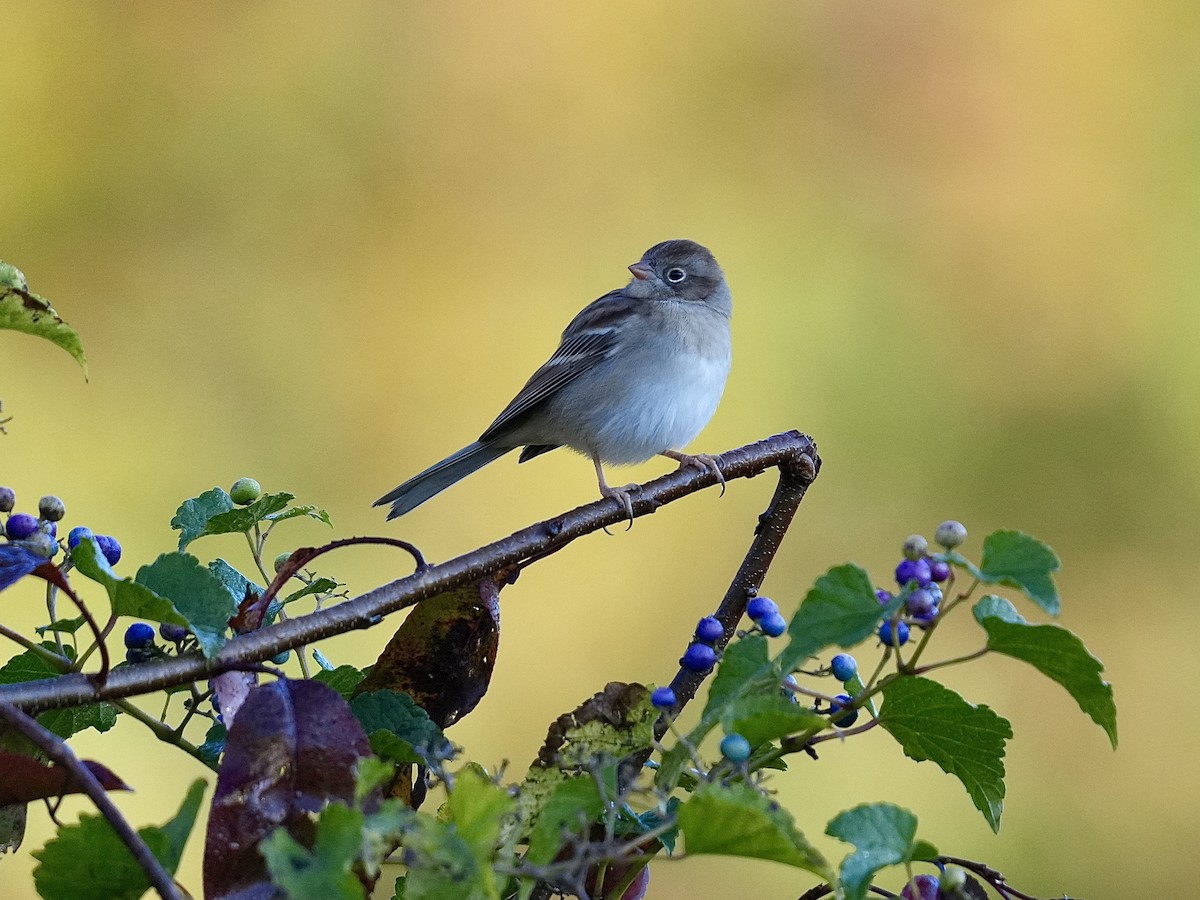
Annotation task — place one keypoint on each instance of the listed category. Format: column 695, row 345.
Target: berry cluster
column 919, row 576
column 39, row 533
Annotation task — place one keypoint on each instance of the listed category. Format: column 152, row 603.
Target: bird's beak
column 641, row 270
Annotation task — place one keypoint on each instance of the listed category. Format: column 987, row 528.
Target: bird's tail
column 439, row 476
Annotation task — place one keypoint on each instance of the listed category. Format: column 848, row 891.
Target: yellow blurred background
column 323, row 245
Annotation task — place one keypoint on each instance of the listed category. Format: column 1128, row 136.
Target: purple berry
column 77, row 534
column 662, row 698
column 920, row 604
column 759, row 607
column 939, row 570
column 844, row 667
column 735, row 748
column 8, row 499
column 709, row 630
column 884, row 597
column 926, row 885
column 840, row 702
column 885, row 634
column 913, row 570
column 109, row 547
column 173, row 633
column 698, row 658
column 138, row 636
column 20, row 526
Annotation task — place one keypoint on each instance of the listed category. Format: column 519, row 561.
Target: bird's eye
column 676, row 275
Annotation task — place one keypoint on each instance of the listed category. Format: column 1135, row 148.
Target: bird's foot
column 622, row 495
column 700, row 461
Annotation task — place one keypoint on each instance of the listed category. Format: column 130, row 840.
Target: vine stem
column 794, row 454
column 60, row 753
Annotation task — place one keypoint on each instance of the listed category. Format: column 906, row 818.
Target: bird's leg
column 699, row 461
column 620, row 493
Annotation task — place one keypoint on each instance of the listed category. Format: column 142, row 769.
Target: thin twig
column 60, row 753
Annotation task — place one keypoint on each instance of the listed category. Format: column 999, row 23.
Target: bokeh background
column 323, row 245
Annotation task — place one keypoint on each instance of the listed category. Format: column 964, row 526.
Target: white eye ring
column 676, row 275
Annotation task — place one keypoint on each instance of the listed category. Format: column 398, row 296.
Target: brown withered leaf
column 293, row 748
column 26, row 779
column 617, row 721
column 443, row 654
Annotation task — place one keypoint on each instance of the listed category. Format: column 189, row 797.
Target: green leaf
column 932, row 722
column 22, row 311
column 991, row 606
column 30, row 666
column 1023, row 562
column 572, row 806
column 840, row 609
column 478, row 808
column 745, row 661
column 192, row 516
column 127, row 596
column 325, row 872
column 343, row 679
column 882, row 835
column 235, row 582
column 242, row 518
column 398, row 729
column 441, row 866
column 736, row 820
column 89, row 862
column 318, row 586
column 65, row 626
column 765, row 717
column 196, row 593
column 311, row 512
column 1057, row 654
column 214, row 744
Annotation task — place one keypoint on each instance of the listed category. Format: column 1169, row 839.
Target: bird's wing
column 590, row 338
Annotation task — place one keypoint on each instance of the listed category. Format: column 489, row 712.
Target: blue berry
column 759, row 607
column 662, row 698
column 939, row 570
column 45, row 526
column 788, row 688
column 173, row 633
column 735, row 748
column 20, row 526
column 51, row 508
column 913, row 570
column 138, row 636
column 927, row 888
column 280, row 658
column 8, row 498
column 840, row 702
column 884, row 597
column 77, row 534
column 773, row 625
column 699, row 658
column 844, row 667
column 950, row 534
column 935, row 592
column 109, row 547
column 885, row 634
column 709, row 630
column 41, row 544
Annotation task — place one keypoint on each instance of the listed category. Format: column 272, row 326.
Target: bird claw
column 622, row 496
column 704, row 462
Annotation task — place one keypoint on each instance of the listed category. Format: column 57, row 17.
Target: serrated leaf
column 931, row 722
column 841, row 609
column 241, row 519
column 991, row 606
column 235, row 582
column 736, row 820
column 318, row 586
column 89, row 862
column 311, row 512
column 1056, row 653
column 765, row 717
column 30, row 666
column 745, row 661
column 63, row 626
column 882, row 835
column 572, row 806
column 398, row 728
column 127, row 596
column 478, row 808
column 1023, row 562
column 343, row 679
column 325, row 872
column 192, row 516
column 195, row 593
column 22, row 311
